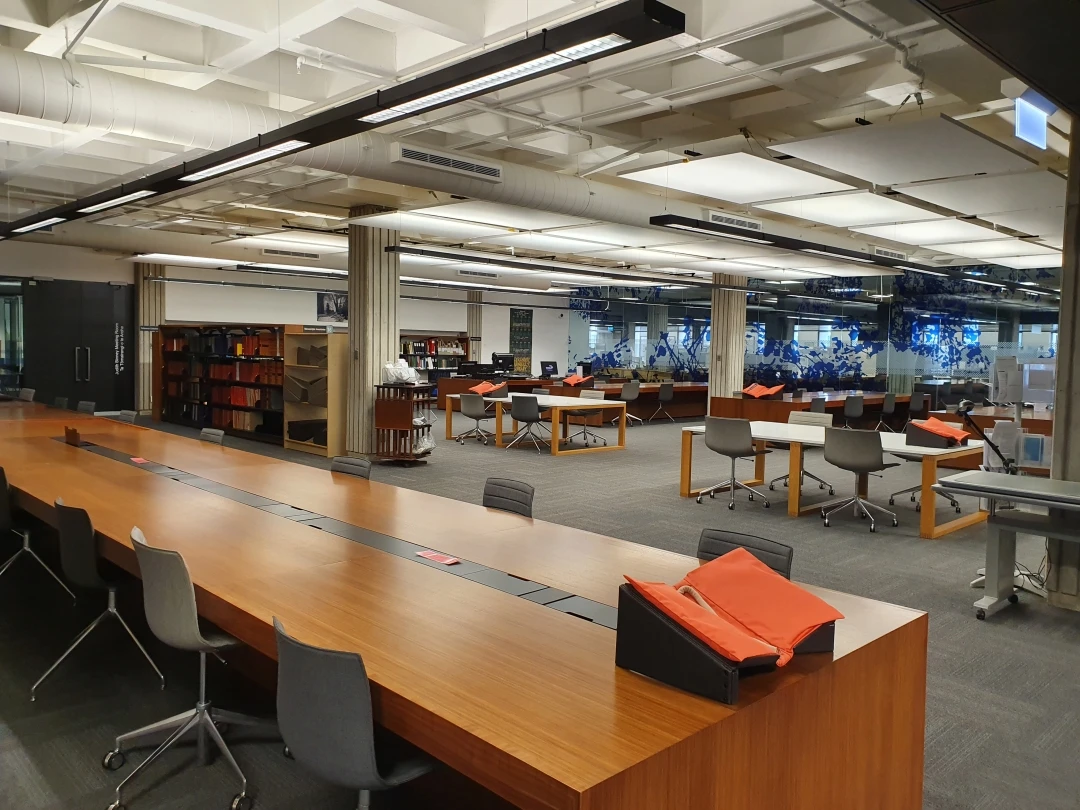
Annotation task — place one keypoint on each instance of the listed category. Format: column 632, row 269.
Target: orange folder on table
column 757, row 391
column 576, row 379
column 939, row 428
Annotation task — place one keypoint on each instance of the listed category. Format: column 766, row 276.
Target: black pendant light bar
column 611, row 30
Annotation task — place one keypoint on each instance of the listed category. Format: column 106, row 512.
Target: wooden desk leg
column 759, row 466
column 499, row 424
column 795, row 462
column 928, row 528
column 622, row 426
column 686, row 466
column 556, row 422
column 449, row 419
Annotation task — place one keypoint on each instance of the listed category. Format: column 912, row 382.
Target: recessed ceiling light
column 102, row 206
column 45, row 223
column 268, row 153
column 293, row 211
column 174, row 258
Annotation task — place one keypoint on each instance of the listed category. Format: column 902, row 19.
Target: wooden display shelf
column 396, row 437
column 332, row 345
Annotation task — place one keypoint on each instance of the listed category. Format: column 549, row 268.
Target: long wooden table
column 799, row 437
column 777, row 410
column 521, row 698
column 691, row 398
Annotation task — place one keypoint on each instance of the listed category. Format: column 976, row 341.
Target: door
column 52, row 334
column 107, row 374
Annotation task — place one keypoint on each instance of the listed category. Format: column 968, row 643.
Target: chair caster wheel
column 958, row 510
column 873, row 528
column 116, row 806
column 1013, row 598
column 731, row 506
column 114, row 761
column 862, row 515
column 918, row 507
column 712, row 495
column 485, row 442
column 766, row 504
column 895, row 523
column 980, row 614
column 241, row 801
column 751, row 496
column 822, row 486
column 699, row 499
column 913, row 497
column 892, row 501
column 771, row 487
column 287, row 753
column 831, row 491
column 826, row 522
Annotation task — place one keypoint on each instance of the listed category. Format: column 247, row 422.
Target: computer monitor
column 549, row 368
column 502, row 362
column 585, row 369
column 468, row 369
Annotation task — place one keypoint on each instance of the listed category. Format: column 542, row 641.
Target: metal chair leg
column 78, row 640
column 172, row 739
column 664, row 412
column 215, row 735
column 365, row 800
column 27, row 550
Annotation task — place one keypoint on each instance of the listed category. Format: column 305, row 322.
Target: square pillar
column 728, row 351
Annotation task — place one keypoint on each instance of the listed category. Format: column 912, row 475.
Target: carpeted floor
column 1003, row 695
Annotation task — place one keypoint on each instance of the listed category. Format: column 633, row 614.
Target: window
column 641, row 341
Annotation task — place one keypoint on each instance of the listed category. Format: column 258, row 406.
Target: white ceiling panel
column 790, row 260
column 1048, row 223
column 739, row 177
column 927, row 149
column 723, row 249
column 1030, row 262
column 848, row 209
column 995, row 250
column 506, row 216
column 779, row 275
column 934, row 232
column 643, row 256
column 298, row 240
column 620, row 235
column 991, row 195
column 720, row 266
column 547, row 243
column 416, row 225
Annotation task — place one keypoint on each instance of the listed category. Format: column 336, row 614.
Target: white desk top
column 546, row 401
column 814, row 436
column 1018, row 488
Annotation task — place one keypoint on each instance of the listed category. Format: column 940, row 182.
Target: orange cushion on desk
column 730, row 640
column 750, row 594
column 483, row 388
column 936, row 426
column 752, row 389
column 758, row 391
column 498, row 387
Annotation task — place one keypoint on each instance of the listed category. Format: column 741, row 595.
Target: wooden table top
column 522, row 698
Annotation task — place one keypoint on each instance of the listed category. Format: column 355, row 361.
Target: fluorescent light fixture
column 920, row 270
column 975, row 272
column 1028, row 283
column 296, row 267
column 174, row 258
column 45, row 223
column 485, row 84
column 268, row 153
column 881, row 295
column 472, row 284
column 292, row 211
column 1037, row 292
column 1030, row 123
column 837, row 255
column 986, row 283
column 135, row 195
column 848, row 290
column 933, row 232
column 724, row 235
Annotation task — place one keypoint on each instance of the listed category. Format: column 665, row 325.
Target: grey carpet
column 1003, row 696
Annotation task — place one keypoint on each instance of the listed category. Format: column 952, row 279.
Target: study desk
column 777, row 410
column 523, row 699
column 1034, row 419
column 800, row 437
column 558, row 408
column 690, row 398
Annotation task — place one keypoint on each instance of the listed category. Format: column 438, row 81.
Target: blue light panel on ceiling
column 1030, row 123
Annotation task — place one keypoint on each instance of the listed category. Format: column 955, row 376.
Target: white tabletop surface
column 814, row 436
column 1019, row 488
column 547, row 401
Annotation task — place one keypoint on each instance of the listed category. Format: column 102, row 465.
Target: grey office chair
column 509, row 496
column 60, row 402
column 127, row 416
column 27, row 394
column 85, row 407
column 169, row 602
column 78, row 559
column 473, row 407
column 524, row 409
column 804, row 418
column 586, row 432
column 888, row 408
column 9, row 524
column 853, row 409
column 718, row 542
column 629, row 393
column 541, row 392
column 327, row 721
column 212, row 435
column 734, row 439
column 918, row 407
column 817, row 405
column 859, row 452
column 667, row 393
column 916, row 459
column 357, row 467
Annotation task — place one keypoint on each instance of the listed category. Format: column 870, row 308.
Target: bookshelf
column 398, row 408
column 435, row 351
column 220, row 376
column 315, row 389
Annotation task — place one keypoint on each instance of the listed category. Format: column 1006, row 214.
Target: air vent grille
column 478, row 273
column 890, row 254
column 732, row 221
column 443, row 161
column 292, row 254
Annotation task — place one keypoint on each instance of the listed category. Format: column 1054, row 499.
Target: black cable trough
column 554, row 598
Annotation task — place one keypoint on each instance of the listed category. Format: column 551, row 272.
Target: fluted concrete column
column 1063, row 583
column 374, row 287
column 728, row 351
column 474, row 322
column 656, row 322
column 149, row 314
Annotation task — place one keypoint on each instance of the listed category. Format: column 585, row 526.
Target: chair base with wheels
column 110, row 611
column 529, row 432
column 206, row 721
column 732, row 484
column 477, row 433
column 587, row 434
column 883, row 424
column 822, row 483
column 630, row 419
column 659, row 411
column 862, row 510
column 918, row 504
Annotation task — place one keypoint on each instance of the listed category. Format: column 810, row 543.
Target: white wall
column 18, row 258
column 215, row 303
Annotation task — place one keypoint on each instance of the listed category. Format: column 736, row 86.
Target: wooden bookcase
column 315, row 389
column 221, row 376
column 396, row 406
column 428, row 351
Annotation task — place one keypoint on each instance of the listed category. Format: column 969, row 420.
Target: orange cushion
column 573, row 379
column 935, row 425
column 483, row 388
column 751, row 390
column 497, row 387
column 730, row 640
column 749, row 593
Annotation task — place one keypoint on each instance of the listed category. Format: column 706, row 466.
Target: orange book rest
column 483, row 388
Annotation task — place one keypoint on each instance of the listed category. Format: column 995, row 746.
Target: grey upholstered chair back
column 810, row 418
column 359, row 467
column 667, row 392
column 509, row 495
column 502, row 392
column 728, row 437
column 78, row 548
column 853, row 406
column 817, row 405
column 127, row 416
column 888, row 405
column 474, row 407
column 858, row 451
column 212, row 435
column 524, row 408
column 592, row 394
column 324, row 712
column 918, row 403
column 945, row 389
column 718, row 542
column 168, row 596
column 630, row 391
column 60, row 402
column 27, row 394
column 85, row 406
column 6, row 521
column 540, row 391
